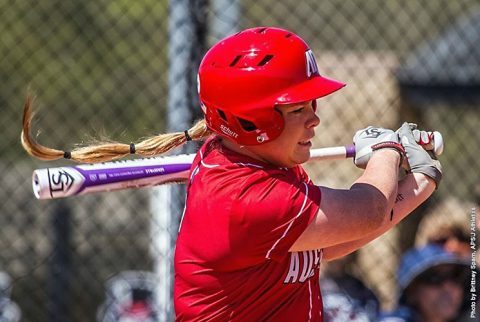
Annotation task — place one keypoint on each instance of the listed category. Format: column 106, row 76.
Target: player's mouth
column 307, row 143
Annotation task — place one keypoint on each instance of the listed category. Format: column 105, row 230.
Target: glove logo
column 372, row 133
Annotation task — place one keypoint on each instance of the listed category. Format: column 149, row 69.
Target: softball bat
column 60, row 182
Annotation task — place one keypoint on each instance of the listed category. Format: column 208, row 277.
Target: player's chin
column 302, row 155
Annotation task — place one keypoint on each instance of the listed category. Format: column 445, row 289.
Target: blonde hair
column 107, row 151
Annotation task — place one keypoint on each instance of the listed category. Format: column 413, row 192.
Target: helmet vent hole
column 222, row 115
column 265, row 60
column 235, row 60
column 288, row 35
column 247, row 125
column 261, row 30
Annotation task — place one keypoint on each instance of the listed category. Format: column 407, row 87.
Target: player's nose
column 313, row 120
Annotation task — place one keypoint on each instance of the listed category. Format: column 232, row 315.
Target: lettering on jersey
column 228, row 131
column 302, row 266
column 312, row 68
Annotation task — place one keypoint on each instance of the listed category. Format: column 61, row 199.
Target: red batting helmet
column 245, row 76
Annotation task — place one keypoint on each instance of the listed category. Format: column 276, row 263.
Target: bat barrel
column 51, row 183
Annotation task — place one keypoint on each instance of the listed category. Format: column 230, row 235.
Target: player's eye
column 298, row 110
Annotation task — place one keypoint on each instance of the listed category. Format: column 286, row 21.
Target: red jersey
column 232, row 261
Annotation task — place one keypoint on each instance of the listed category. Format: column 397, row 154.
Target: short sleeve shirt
column 232, row 259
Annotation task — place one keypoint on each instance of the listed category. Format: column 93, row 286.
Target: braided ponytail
column 108, row 151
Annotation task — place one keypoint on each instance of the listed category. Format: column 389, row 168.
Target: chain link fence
column 126, row 69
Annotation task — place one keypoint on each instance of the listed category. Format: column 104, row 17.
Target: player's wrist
column 392, row 146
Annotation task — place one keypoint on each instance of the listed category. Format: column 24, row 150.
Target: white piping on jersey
column 206, row 165
column 308, row 179
column 183, row 213
column 194, row 172
column 310, row 299
column 249, row 165
column 291, row 223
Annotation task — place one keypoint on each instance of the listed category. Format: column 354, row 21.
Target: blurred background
column 126, row 69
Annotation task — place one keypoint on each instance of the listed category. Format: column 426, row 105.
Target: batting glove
column 371, row 139
column 419, row 160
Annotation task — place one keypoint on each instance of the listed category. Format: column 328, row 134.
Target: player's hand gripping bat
column 61, row 182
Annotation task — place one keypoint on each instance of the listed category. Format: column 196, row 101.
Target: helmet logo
column 228, row 131
column 312, row 68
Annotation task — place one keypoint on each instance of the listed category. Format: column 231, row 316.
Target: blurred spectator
column 130, row 298
column 452, row 238
column 9, row 310
column 345, row 297
column 432, row 286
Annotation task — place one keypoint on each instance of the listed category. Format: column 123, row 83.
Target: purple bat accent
column 350, row 151
column 107, row 176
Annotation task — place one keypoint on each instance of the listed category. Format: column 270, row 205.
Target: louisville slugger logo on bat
column 59, row 180
column 62, row 182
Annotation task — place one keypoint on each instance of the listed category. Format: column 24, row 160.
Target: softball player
column 255, row 228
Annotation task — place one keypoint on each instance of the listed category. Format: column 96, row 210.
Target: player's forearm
column 381, row 173
column 412, row 191
column 348, row 215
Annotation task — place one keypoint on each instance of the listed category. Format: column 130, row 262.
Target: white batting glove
column 371, row 139
column 419, row 160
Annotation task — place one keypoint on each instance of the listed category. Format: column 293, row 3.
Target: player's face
column 293, row 145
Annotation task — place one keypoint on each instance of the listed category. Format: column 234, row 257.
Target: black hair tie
column 187, row 136
column 132, row 148
column 67, row 155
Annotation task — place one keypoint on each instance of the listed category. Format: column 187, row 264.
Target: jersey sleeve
column 269, row 214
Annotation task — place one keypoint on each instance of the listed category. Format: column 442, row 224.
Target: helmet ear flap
column 270, row 124
column 267, row 124
column 246, row 125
